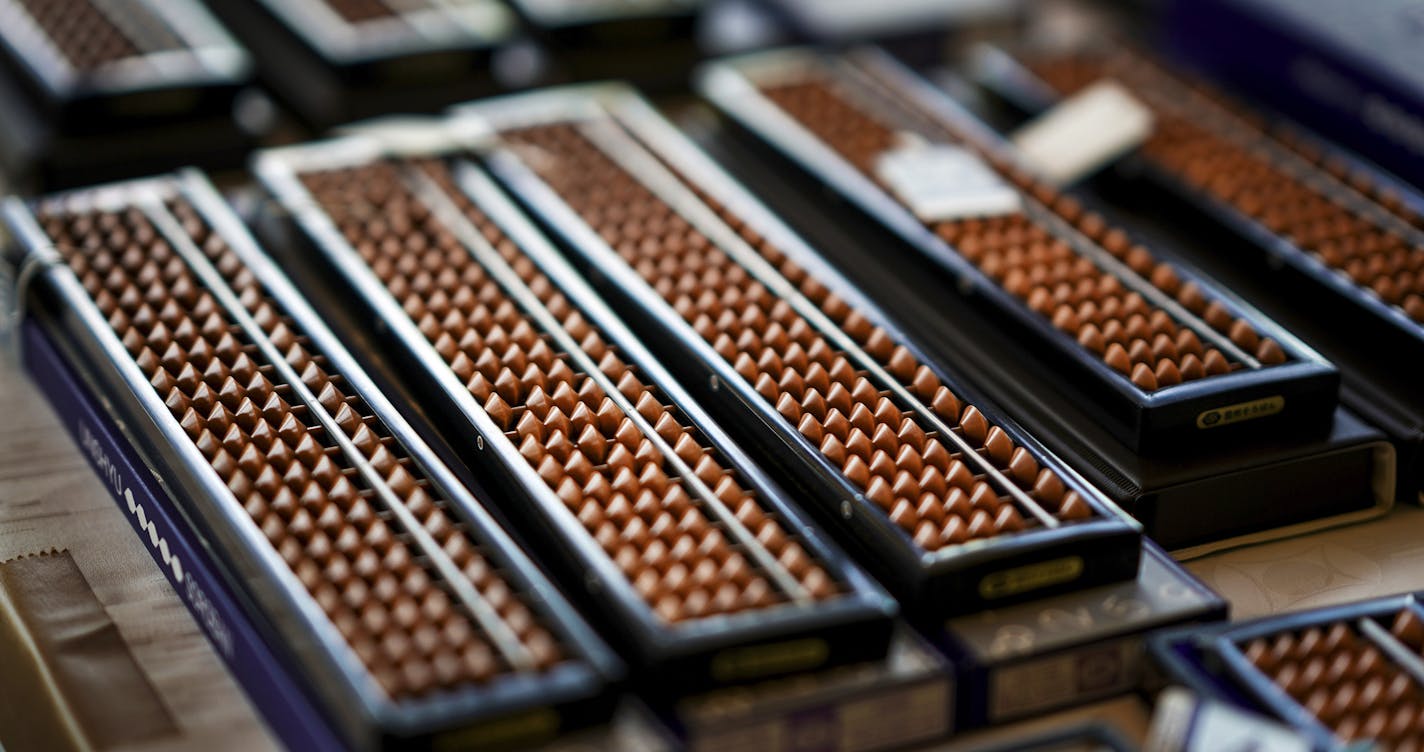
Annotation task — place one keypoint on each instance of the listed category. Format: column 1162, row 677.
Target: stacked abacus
column 358, row 11
column 1345, row 681
column 81, row 32
column 312, row 501
column 640, row 481
column 1343, row 675
column 1342, row 217
column 937, row 492
column 883, row 439
column 1158, row 348
column 408, row 612
column 1033, row 261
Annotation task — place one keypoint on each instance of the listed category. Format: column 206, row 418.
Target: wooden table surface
column 49, row 499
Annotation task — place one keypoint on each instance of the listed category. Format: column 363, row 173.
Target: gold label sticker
column 1031, row 577
column 518, row 730
column 763, row 660
column 1225, row 416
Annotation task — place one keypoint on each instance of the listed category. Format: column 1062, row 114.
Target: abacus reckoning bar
column 942, row 498
column 139, row 59
column 1161, row 349
column 1341, row 225
column 690, row 555
column 1345, row 674
column 389, row 587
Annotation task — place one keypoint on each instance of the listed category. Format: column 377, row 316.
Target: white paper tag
column 405, row 134
column 1185, row 723
column 1084, row 132
column 941, row 182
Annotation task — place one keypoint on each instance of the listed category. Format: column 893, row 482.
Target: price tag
column 942, row 182
column 1186, row 723
column 1084, row 132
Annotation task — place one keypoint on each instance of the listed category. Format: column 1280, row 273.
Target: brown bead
column 975, row 427
column 1144, row 378
column 1116, row 357
column 1408, row 628
column 1268, row 352
column 999, row 446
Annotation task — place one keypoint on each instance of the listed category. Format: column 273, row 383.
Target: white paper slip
column 1186, row 723
column 941, row 182
column 1084, row 132
column 404, row 133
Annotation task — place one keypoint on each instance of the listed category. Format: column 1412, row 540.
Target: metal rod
column 1397, row 651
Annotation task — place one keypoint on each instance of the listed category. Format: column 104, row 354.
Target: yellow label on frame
column 518, row 730
column 1241, row 411
column 764, row 660
column 1031, row 577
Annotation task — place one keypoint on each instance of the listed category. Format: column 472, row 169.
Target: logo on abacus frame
column 1242, row 411
column 112, row 477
